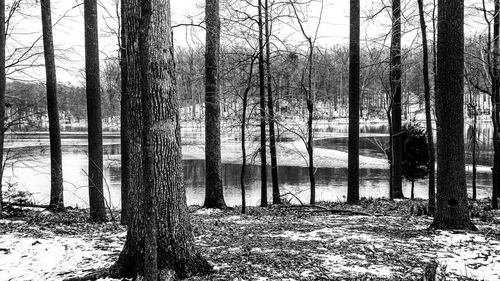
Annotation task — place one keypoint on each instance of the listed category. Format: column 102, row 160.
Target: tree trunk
column 214, row 195
column 354, row 69
column 150, row 131
column 96, row 191
column 243, row 136
column 395, row 83
column 131, row 120
column 391, row 170
column 412, row 190
column 495, row 100
column 243, row 152
column 270, row 106
column 310, row 109
column 310, row 149
column 262, row 94
column 175, row 251
column 474, row 156
column 452, row 210
column 2, row 96
column 428, row 116
column 56, row 176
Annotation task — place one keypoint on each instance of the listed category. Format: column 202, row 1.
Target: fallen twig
column 326, row 210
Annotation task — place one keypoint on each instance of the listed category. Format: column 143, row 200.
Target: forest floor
column 381, row 240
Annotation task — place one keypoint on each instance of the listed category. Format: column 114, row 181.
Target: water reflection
column 371, row 142
column 31, row 173
column 28, row 169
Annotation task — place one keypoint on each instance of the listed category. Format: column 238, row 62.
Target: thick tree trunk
column 96, row 191
column 452, row 210
column 395, row 83
column 354, row 73
column 149, row 128
column 270, row 107
column 131, row 119
column 262, row 104
column 214, row 195
column 428, row 116
column 175, row 251
column 2, row 96
column 56, row 176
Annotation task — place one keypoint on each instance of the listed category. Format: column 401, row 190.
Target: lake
column 29, row 170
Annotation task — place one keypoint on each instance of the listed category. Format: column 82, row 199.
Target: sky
column 67, row 17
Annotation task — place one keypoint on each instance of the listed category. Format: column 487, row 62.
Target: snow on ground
column 264, row 245
column 472, row 255
column 32, row 258
column 44, row 255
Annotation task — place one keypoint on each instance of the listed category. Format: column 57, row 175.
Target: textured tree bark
column 452, row 210
column 56, row 175
column 2, row 95
column 354, row 69
column 176, row 253
column 96, row 191
column 395, row 83
column 129, row 88
column 262, row 104
column 270, row 107
column 214, row 195
column 428, row 117
column 149, row 126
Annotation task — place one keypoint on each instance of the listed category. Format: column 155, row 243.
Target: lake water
column 29, row 170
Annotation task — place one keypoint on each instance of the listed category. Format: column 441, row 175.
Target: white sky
column 69, row 34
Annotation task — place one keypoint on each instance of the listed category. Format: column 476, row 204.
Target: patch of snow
column 3, row 221
column 31, row 258
column 337, row 264
column 469, row 254
column 316, row 235
column 206, row 211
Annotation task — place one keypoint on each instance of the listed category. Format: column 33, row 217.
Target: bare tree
column 354, row 73
column 214, row 196
column 428, row 117
column 495, row 101
column 94, row 116
column 243, row 135
column 262, row 95
column 270, row 107
column 56, row 176
column 452, row 205
column 307, row 88
column 395, row 83
column 484, row 75
column 2, row 95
